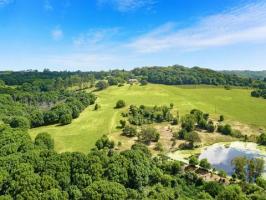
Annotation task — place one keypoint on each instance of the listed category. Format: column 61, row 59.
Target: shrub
column 130, row 131
column 205, row 164
column 101, row 85
column 65, row 119
column 44, row 140
column 221, row 118
column 120, row 104
column 19, row 122
column 148, row 135
column 158, row 146
column 193, row 160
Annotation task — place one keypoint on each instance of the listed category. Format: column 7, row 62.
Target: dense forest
column 33, row 170
column 172, row 75
column 261, row 75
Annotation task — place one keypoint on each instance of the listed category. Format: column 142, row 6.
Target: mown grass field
column 236, row 105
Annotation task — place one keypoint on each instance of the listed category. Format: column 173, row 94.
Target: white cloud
column 95, row 36
column 57, row 33
column 5, row 2
column 242, row 25
column 127, row 5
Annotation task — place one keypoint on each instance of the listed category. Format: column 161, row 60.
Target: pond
column 221, row 155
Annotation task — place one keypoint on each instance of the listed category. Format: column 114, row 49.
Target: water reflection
column 220, row 155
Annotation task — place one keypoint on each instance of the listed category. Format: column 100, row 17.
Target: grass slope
column 81, row 134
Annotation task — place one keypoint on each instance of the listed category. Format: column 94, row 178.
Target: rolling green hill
column 81, row 134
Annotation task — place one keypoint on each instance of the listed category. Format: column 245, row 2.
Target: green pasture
column 236, row 105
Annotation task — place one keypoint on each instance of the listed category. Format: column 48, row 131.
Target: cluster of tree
column 179, row 75
column 33, row 170
column 189, row 122
column 247, row 169
column 259, row 93
column 226, row 129
column 147, row 115
column 28, row 107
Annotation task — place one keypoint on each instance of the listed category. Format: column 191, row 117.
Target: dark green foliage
column 19, row 122
column 146, row 115
column 122, row 123
column 105, row 190
column 65, row 119
column 179, row 75
column 143, row 82
column 30, row 171
column 226, row 129
column 262, row 139
column 188, row 122
column 213, row 188
column 44, row 140
column 221, row 118
column 104, row 142
column 129, row 131
column 193, row 160
column 259, row 93
column 148, row 135
column 120, row 104
column 205, row 164
column 101, row 85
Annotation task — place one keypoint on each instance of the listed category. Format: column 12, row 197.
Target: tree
column 65, row 119
column 101, row 85
column 120, row 104
column 143, row 82
column 205, row 164
column 148, row 135
column 231, row 192
column 193, row 160
column 239, row 164
column 262, row 139
column 97, row 106
column 44, row 140
column 213, row 188
column 129, row 131
column 188, row 122
column 123, row 123
column 104, row 142
column 19, row 122
column 105, row 190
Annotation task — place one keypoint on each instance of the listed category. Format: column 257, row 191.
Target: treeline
column 172, row 75
column 41, row 103
column 33, row 170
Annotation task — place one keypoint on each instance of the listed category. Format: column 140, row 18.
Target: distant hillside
column 248, row 74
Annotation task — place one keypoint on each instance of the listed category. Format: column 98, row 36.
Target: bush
column 148, row 135
column 130, row 131
column 44, row 140
column 123, row 123
column 205, row 164
column 19, row 122
column 120, row 104
column 65, row 119
column 158, row 147
column 143, row 82
column 221, row 118
column 101, row 85
column 193, row 160
column 262, row 139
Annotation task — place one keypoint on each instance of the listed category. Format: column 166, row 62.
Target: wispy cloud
column 95, row 36
column 57, row 33
column 242, row 25
column 5, row 2
column 47, row 5
column 127, row 5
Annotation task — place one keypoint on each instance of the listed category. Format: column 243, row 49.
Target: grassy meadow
column 236, row 105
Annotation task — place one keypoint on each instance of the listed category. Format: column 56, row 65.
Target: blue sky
column 107, row 34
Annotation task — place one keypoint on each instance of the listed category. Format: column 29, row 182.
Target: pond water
column 220, row 155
